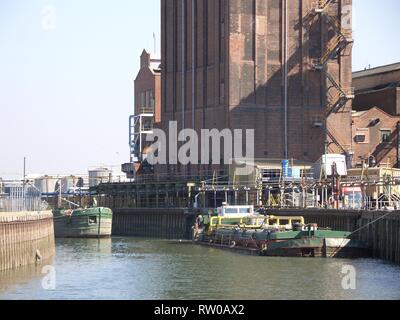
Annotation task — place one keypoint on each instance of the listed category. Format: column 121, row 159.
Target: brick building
column 281, row 67
column 376, row 138
column 378, row 87
column 148, row 86
column 147, row 112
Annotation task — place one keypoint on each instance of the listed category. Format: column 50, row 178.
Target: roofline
column 378, row 109
column 367, row 73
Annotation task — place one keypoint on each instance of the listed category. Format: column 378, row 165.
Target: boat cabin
column 228, row 211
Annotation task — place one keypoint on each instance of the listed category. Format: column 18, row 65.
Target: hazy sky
column 67, row 70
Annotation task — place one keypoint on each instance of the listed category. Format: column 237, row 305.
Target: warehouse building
column 378, row 87
column 376, row 117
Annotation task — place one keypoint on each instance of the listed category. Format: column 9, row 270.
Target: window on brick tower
column 147, row 99
column 142, row 99
column 152, row 102
column 386, row 136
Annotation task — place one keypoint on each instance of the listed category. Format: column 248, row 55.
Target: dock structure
column 268, row 187
column 26, row 238
column 26, row 227
column 167, row 209
column 173, row 223
column 380, row 230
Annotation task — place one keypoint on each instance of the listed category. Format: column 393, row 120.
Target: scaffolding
column 361, row 192
column 308, row 193
column 140, row 125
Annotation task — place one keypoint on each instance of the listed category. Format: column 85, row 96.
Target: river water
column 129, row 268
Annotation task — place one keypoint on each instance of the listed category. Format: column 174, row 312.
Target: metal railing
column 146, row 110
column 22, row 198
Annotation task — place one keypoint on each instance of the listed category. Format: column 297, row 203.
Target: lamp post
column 23, row 186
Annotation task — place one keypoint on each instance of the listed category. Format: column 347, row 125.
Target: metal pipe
column 196, row 200
column 24, row 191
column 140, row 138
column 286, row 78
column 398, row 145
column 193, row 61
column 183, row 62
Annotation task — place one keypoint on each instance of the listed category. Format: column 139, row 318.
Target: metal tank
column 69, row 184
column 98, row 176
column 46, row 184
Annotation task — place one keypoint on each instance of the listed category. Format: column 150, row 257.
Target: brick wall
column 238, row 72
column 384, row 153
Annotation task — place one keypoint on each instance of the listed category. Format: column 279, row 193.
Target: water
column 128, row 268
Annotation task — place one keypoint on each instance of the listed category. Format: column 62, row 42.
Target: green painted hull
column 83, row 223
column 319, row 243
column 317, row 247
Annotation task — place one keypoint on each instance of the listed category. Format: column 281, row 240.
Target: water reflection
column 10, row 279
column 131, row 268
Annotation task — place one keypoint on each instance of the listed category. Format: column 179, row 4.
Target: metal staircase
column 336, row 142
column 140, row 126
column 342, row 95
column 340, row 41
column 320, row 6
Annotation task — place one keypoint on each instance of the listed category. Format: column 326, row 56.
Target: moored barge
column 238, row 229
column 83, row 223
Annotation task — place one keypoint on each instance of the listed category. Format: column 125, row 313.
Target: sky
column 67, row 69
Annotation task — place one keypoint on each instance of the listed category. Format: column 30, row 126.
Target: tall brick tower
column 281, row 67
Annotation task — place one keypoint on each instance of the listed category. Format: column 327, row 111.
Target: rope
column 371, row 223
column 362, row 228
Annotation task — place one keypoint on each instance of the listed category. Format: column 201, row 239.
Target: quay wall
column 153, row 223
column 26, row 238
column 382, row 236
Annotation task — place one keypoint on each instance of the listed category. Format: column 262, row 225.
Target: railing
column 22, row 198
column 251, row 222
column 320, row 5
column 337, row 102
column 29, row 203
column 146, row 110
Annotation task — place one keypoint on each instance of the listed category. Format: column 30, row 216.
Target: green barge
column 83, row 223
column 275, row 236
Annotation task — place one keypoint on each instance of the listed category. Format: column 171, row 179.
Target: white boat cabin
column 235, row 211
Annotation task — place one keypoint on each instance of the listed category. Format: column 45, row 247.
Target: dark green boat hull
column 83, row 223
column 319, row 243
column 317, row 247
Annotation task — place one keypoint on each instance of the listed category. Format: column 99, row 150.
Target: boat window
column 272, row 222
column 92, row 220
column 244, row 210
column 231, row 210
